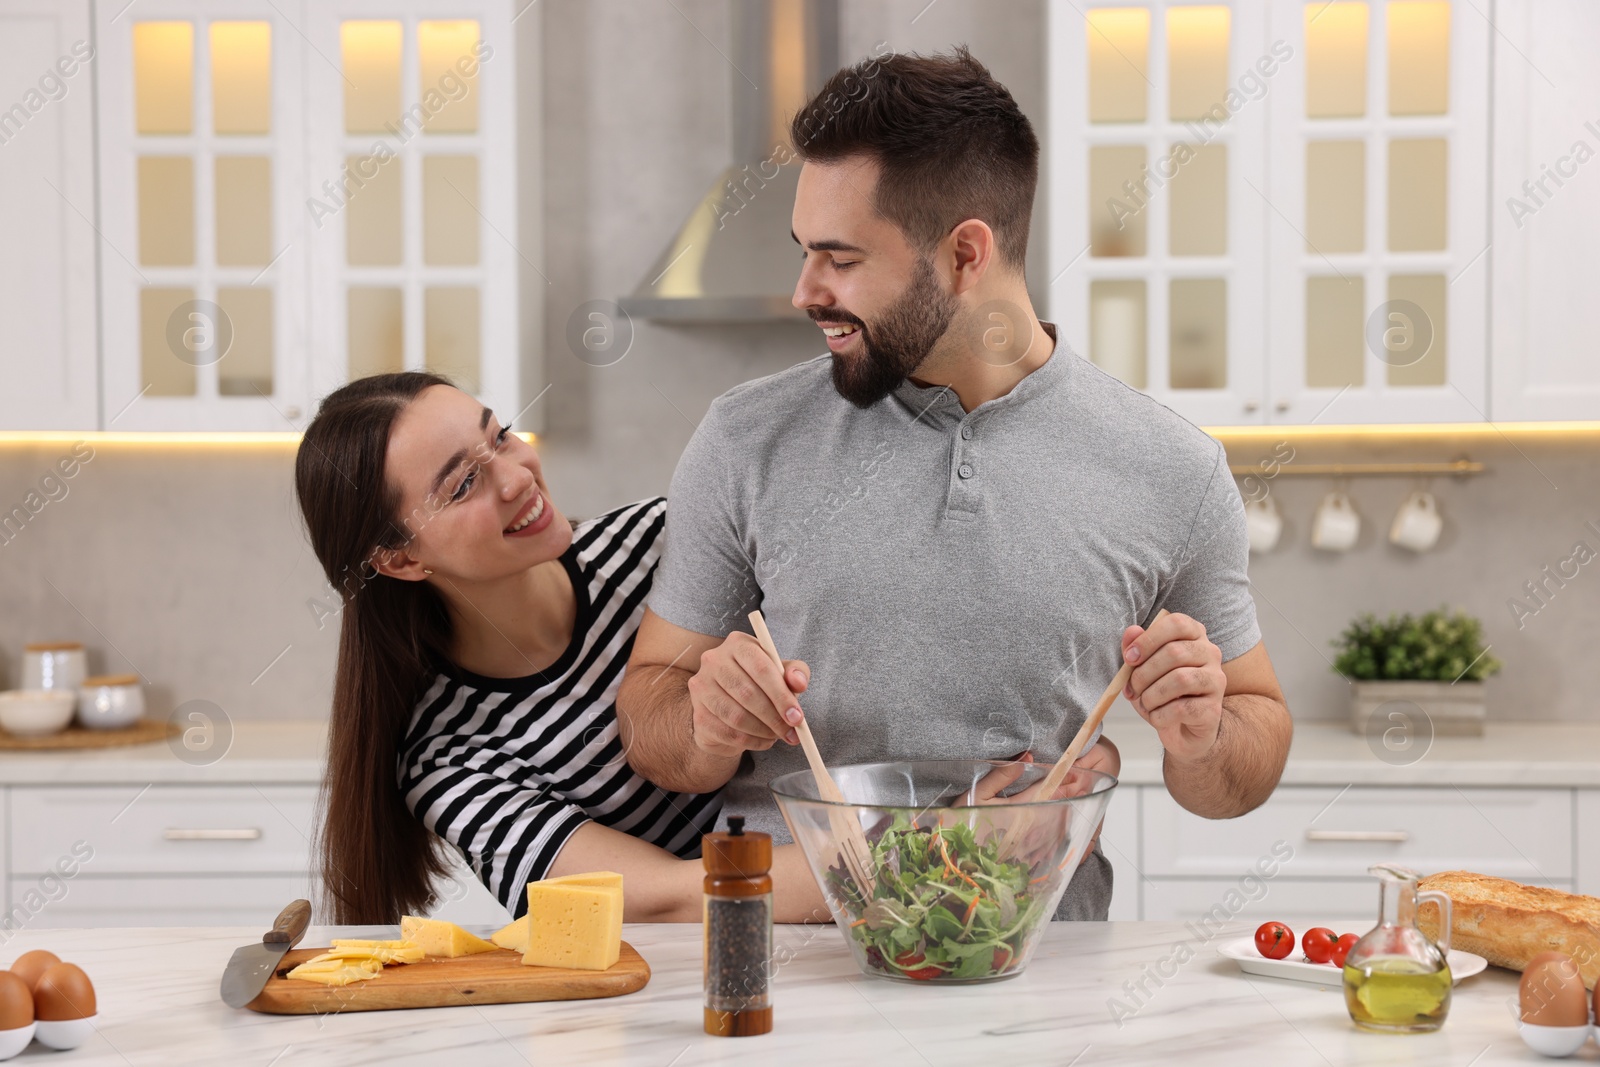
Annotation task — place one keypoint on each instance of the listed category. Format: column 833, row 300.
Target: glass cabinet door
column 1155, row 179
column 201, row 145
column 1378, row 288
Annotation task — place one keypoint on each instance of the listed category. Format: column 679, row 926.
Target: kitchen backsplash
column 190, row 566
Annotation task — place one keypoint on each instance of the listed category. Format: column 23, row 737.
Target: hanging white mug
column 1263, row 523
column 1337, row 524
column 1418, row 523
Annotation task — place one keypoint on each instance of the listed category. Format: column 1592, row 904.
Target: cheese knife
column 252, row 965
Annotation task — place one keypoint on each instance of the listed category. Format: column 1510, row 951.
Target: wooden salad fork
column 847, row 832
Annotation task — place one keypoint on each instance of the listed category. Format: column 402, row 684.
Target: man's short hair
column 950, row 142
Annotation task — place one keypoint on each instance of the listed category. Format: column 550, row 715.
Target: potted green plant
column 1436, row 661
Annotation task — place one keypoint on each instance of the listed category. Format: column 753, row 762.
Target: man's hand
column 742, row 701
column 1177, row 683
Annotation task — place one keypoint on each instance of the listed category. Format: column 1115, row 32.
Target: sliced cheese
column 573, row 925
column 439, row 938
column 349, row 942
column 409, row 954
column 336, row 972
column 513, row 935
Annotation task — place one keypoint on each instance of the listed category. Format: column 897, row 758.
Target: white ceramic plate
column 1295, row 968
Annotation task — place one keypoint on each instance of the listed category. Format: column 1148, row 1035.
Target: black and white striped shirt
column 506, row 769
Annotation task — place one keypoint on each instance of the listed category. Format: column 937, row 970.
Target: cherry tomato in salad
column 911, row 964
column 1274, row 940
column 1342, row 947
column 1003, row 958
column 1317, row 944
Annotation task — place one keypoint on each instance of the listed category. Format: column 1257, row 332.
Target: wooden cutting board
column 498, row 977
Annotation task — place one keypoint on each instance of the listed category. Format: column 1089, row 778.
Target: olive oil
column 1397, row 994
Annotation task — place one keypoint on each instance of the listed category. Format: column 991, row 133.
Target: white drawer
column 1349, row 906
column 1524, row 834
column 1346, row 905
column 164, row 829
column 193, row 900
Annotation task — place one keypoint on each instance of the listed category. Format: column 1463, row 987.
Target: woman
column 482, row 639
column 481, row 643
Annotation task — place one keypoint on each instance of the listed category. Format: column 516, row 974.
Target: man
column 948, row 517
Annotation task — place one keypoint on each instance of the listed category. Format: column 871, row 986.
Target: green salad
column 944, row 906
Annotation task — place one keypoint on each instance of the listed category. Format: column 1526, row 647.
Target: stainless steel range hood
column 732, row 259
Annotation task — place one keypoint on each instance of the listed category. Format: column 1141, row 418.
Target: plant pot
column 1454, row 709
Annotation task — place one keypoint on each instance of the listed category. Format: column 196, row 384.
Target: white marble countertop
column 1324, row 753
column 259, row 752
column 158, row 1005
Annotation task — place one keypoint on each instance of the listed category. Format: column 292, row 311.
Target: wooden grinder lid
column 736, row 854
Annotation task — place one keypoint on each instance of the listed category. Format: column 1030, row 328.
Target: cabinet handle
column 1251, row 405
column 1398, row 837
column 248, row 834
column 1281, row 406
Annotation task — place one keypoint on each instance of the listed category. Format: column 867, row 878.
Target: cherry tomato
column 1342, row 947
column 912, row 963
column 1003, row 957
column 1274, row 940
column 1317, row 944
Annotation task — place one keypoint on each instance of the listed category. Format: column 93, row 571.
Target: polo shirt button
column 965, row 470
column 966, row 433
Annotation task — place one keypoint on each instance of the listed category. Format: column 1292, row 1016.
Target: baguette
column 1508, row 923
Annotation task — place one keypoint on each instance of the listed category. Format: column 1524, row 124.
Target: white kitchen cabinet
column 1274, row 212
column 191, row 900
column 1191, row 865
column 48, row 362
column 1523, row 834
column 293, row 195
column 1343, row 904
column 1587, row 840
column 1545, row 212
column 1119, row 840
column 164, row 829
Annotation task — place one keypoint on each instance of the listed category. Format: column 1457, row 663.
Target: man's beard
column 894, row 347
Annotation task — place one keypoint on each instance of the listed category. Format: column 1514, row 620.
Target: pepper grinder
column 738, row 931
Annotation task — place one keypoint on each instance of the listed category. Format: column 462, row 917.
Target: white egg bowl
column 36, row 712
column 1555, row 1041
column 15, row 1040
column 65, row 1033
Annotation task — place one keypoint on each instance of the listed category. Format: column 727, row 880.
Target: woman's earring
column 426, row 571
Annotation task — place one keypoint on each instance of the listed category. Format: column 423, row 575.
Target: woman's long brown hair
column 378, row 861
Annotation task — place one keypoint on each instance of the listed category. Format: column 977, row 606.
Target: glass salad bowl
column 963, row 863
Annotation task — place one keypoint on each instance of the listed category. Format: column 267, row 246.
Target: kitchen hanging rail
column 1459, row 467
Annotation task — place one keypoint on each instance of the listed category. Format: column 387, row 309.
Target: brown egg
column 30, row 965
column 1552, row 993
column 63, row 993
column 16, row 1002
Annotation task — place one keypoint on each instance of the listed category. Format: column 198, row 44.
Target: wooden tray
column 142, row 732
column 498, row 977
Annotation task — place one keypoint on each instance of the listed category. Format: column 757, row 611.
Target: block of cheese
column 592, row 878
column 513, row 935
column 573, row 925
column 438, row 938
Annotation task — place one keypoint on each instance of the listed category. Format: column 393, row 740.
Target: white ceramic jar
column 54, row 665
column 110, row 701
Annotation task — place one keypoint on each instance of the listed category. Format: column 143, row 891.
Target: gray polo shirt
column 957, row 581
